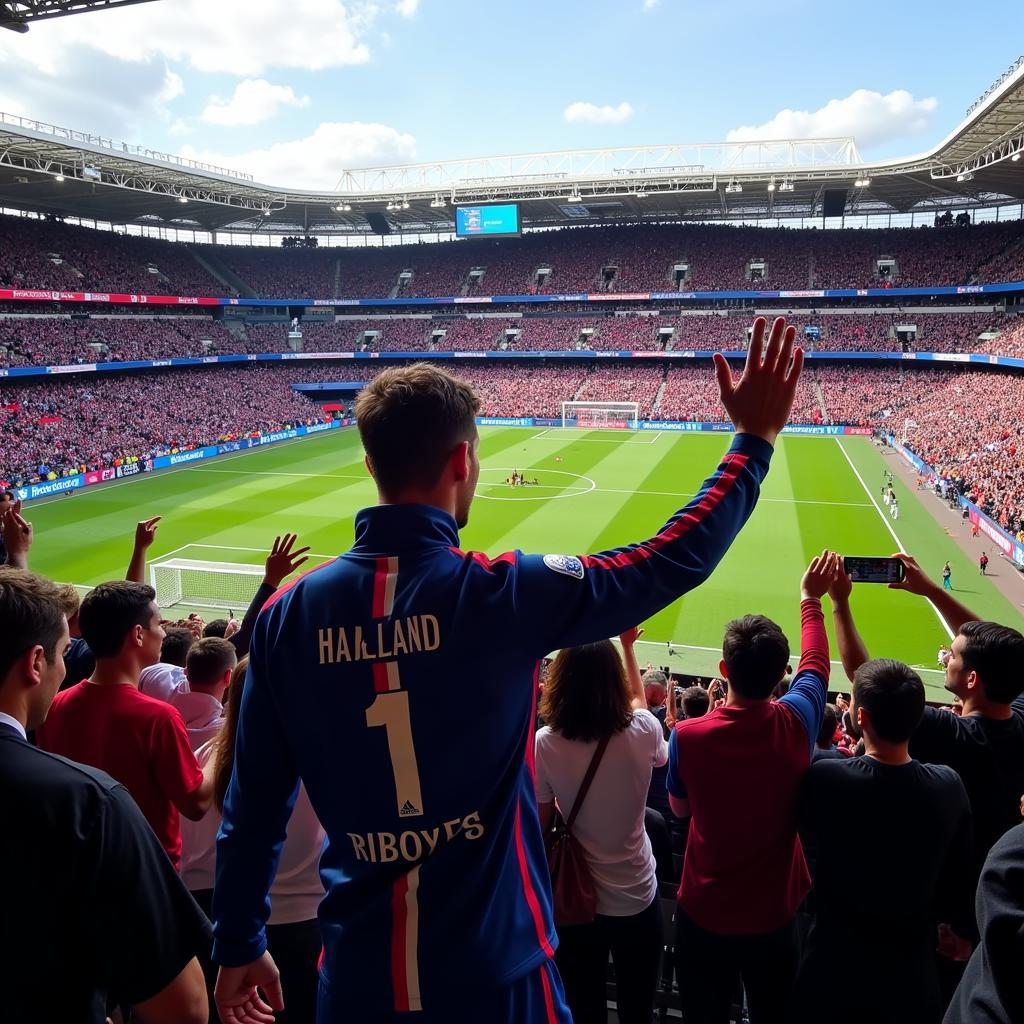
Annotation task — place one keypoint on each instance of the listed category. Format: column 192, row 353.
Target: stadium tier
column 48, row 340
column 40, row 254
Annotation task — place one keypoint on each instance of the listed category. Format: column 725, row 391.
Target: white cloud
column 407, row 8
column 174, row 87
column 234, row 36
column 649, row 5
column 591, row 113
column 316, row 162
column 254, row 100
column 870, row 117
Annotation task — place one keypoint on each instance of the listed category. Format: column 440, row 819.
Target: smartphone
column 874, row 570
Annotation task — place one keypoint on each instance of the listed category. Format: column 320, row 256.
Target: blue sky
column 296, row 91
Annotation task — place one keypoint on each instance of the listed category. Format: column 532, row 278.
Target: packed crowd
column 52, row 255
column 60, row 340
column 180, row 810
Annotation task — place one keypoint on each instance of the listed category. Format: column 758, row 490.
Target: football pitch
column 596, row 490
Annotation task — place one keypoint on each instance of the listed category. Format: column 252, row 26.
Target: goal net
column 601, row 415
column 225, row 586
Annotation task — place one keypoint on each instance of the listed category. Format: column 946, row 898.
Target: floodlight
column 58, row 177
column 1015, row 157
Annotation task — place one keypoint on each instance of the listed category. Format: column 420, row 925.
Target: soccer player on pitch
column 438, row 900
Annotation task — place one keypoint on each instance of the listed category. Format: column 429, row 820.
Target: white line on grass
column 229, row 547
column 885, row 519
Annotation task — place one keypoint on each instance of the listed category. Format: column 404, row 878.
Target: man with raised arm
column 438, row 899
column 736, row 773
column 985, row 743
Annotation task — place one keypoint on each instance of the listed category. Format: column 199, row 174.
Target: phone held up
column 874, row 570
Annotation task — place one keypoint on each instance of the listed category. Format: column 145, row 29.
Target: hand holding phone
column 874, row 570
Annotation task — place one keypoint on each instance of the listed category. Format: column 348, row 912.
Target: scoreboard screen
column 487, row 221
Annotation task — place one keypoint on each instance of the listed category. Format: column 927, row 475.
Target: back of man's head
column 996, row 653
column 209, row 660
column 216, row 627
column 110, row 611
column 755, row 652
column 70, row 602
column 695, row 701
column 829, row 723
column 892, row 695
column 32, row 616
column 655, row 687
column 410, row 420
column 177, row 643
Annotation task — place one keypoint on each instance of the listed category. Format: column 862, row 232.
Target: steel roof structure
column 18, row 15
column 48, row 169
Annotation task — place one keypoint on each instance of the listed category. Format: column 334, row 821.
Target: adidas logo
column 408, row 810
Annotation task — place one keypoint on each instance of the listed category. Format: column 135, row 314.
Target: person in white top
column 167, row 676
column 208, row 669
column 293, row 935
column 590, row 696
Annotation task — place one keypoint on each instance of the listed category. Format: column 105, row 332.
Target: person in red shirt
column 105, row 722
column 736, row 774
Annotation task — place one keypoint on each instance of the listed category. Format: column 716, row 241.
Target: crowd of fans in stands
column 808, row 839
column 46, row 340
column 50, row 255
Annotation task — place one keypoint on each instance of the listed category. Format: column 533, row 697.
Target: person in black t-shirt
column 985, row 743
column 992, row 988
column 879, row 896
column 94, row 914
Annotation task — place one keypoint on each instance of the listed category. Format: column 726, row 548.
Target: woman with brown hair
column 293, row 935
column 589, row 697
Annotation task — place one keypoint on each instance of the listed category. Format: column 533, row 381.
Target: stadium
column 179, row 340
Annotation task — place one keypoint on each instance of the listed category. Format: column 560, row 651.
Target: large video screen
column 490, row 221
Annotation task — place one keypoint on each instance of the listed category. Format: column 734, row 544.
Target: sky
column 296, row 91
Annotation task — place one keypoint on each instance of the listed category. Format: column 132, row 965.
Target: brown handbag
column 572, row 885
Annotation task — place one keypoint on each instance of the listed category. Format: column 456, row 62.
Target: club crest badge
column 567, row 565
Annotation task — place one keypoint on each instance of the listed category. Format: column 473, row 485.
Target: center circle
column 585, row 486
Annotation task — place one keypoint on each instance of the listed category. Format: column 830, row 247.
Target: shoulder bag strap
column 587, row 780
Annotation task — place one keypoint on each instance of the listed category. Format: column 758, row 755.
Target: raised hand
column 631, row 636
column 820, row 575
column 842, row 586
column 18, row 536
column 760, row 402
column 915, row 581
column 145, row 532
column 282, row 560
column 238, row 992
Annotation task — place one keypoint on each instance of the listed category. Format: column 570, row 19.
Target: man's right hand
column 914, row 580
column 237, row 993
column 760, row 402
column 820, row 575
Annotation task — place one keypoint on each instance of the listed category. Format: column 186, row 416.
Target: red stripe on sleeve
column 813, row 639
column 507, row 558
column 734, row 465
column 528, row 890
column 399, row 981
column 549, row 999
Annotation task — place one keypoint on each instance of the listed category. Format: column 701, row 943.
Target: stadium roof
column 47, row 169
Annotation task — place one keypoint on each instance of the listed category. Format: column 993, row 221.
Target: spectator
column 737, row 771
column 992, row 989
column 105, row 722
column 94, row 914
column 825, row 742
column 475, row 910
column 208, row 668
column 7, row 502
column 695, row 702
column 167, row 676
column 984, row 744
column 79, row 662
column 914, row 846
column 591, row 704
column 16, row 534
column 293, row 936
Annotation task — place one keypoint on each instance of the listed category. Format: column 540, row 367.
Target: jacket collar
column 389, row 529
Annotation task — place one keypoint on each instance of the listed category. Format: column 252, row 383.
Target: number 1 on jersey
column 391, row 710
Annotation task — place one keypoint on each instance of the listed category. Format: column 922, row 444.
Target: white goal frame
column 601, row 415
column 196, row 583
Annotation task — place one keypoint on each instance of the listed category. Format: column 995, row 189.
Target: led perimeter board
column 501, row 221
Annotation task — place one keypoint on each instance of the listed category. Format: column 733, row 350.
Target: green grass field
column 610, row 488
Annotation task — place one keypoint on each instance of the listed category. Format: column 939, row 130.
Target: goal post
column 222, row 586
column 601, row 415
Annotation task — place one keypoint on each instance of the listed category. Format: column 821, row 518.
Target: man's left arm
column 806, row 697
column 678, row 795
column 257, row 807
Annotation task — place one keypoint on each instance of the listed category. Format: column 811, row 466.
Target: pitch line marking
column 531, row 497
column 888, row 526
